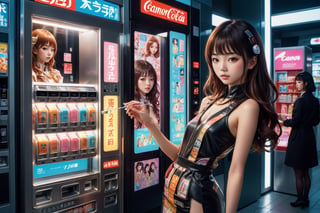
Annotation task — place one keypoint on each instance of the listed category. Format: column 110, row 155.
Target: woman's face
column 45, row 53
column 145, row 84
column 230, row 68
column 300, row 85
column 153, row 48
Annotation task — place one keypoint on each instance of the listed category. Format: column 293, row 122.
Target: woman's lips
column 224, row 77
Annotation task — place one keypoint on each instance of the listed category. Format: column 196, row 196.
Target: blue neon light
column 99, row 8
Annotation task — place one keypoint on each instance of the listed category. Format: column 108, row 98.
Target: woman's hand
column 142, row 112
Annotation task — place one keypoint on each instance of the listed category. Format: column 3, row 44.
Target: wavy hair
column 150, row 41
column 230, row 37
column 144, row 68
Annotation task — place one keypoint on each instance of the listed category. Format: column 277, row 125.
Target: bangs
column 222, row 45
column 47, row 40
column 147, row 73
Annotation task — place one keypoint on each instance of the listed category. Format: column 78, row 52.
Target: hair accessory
column 34, row 40
column 252, row 39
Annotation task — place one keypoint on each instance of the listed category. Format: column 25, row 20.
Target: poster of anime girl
column 146, row 85
column 146, row 173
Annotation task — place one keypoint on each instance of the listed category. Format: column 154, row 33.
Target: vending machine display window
column 65, row 86
column 147, row 85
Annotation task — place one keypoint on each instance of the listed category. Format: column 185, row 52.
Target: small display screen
column 146, row 173
column 60, row 168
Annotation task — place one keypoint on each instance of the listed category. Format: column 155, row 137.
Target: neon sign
column 110, row 123
column 289, row 59
column 98, row 8
column 164, row 11
column 110, row 164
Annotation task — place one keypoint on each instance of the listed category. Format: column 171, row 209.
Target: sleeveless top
column 217, row 141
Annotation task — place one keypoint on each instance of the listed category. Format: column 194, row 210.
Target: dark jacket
column 302, row 150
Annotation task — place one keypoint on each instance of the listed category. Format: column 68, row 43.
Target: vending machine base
column 284, row 179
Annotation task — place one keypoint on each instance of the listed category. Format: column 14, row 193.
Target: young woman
column 44, row 49
column 236, row 115
column 152, row 51
column 301, row 152
column 146, row 89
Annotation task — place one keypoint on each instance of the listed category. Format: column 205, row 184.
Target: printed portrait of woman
column 44, row 49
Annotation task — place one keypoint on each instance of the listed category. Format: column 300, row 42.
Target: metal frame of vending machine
column 7, row 106
column 172, row 68
column 288, row 62
column 69, row 140
column 316, row 78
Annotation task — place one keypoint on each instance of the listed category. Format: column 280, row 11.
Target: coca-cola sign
column 288, row 59
column 164, row 11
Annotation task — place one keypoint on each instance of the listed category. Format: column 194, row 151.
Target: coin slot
column 43, row 196
column 69, row 190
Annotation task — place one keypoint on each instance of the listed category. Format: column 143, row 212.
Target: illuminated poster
column 146, row 85
column 146, row 173
column 110, row 123
column 111, row 62
column 99, row 8
column 177, row 86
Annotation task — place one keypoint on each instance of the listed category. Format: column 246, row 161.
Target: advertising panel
column 177, row 86
column 146, row 173
column 146, row 86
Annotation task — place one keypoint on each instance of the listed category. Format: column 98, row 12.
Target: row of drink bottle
column 63, row 115
column 50, row 146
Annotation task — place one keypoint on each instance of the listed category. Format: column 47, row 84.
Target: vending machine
column 7, row 103
column 288, row 62
column 160, row 53
column 69, row 79
column 316, row 78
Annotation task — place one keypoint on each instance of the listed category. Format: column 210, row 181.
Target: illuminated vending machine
column 69, row 139
column 288, row 62
column 159, row 67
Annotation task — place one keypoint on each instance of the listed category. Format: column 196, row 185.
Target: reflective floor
column 274, row 202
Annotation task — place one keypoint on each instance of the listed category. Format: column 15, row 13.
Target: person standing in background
column 302, row 151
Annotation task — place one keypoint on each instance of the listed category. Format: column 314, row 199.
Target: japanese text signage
column 98, row 8
column 164, row 11
column 110, row 124
column 3, row 14
column 289, row 59
column 110, row 62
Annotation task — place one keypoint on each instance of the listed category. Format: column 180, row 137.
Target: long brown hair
column 41, row 37
column 150, row 41
column 144, row 68
column 230, row 37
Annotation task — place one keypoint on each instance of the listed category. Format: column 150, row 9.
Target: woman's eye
column 214, row 59
column 233, row 59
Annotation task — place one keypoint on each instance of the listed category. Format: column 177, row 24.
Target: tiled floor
column 274, row 202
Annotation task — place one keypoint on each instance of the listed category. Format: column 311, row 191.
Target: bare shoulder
column 249, row 104
column 248, row 107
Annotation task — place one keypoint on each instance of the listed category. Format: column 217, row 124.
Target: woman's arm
column 246, row 125
column 296, row 114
